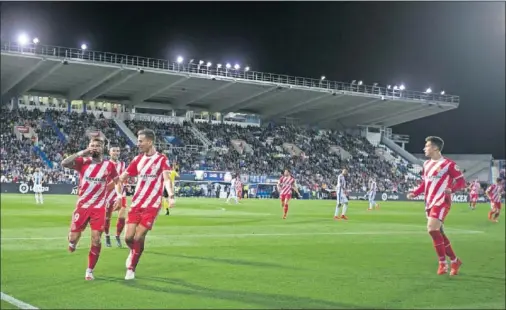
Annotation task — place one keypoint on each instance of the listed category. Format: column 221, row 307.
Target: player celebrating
column 494, row 193
column 38, row 180
column 372, row 194
column 153, row 174
column 94, row 173
column 233, row 189
column 114, row 153
column 341, row 196
column 440, row 178
column 473, row 194
column 286, row 185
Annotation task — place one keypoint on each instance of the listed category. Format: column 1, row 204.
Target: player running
column 112, row 197
column 38, row 181
column 173, row 175
column 372, row 195
column 474, row 188
column 238, row 188
column 286, row 185
column 233, row 189
column 153, row 174
column 94, row 175
column 494, row 193
column 341, row 196
column 440, row 178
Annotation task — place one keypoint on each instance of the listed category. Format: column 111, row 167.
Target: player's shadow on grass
column 225, row 261
column 275, row 301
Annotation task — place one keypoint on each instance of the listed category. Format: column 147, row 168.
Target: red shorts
column 473, row 197
column 495, row 206
column 144, row 216
column 438, row 212
column 81, row 217
column 285, row 197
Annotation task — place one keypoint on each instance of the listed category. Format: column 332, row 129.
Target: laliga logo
column 384, row 197
column 24, row 188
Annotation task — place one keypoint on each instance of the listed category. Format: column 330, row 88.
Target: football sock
column 93, row 256
column 345, row 208
column 107, row 226
column 448, row 248
column 336, row 213
column 285, row 209
column 137, row 252
column 119, row 226
column 439, row 245
column 129, row 243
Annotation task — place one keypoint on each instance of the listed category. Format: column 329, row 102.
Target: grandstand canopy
column 88, row 75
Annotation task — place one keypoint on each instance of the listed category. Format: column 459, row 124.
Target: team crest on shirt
column 457, row 168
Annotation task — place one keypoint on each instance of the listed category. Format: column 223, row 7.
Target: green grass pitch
column 208, row 254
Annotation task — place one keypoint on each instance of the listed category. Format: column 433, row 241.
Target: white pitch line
column 266, row 235
column 16, row 302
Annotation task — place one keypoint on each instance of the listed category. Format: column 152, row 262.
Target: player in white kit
column 38, row 180
column 371, row 194
column 233, row 192
column 341, row 196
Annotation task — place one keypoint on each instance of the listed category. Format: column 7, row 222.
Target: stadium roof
column 89, row 75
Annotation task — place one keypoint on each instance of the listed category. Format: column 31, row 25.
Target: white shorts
column 37, row 188
column 233, row 194
column 372, row 196
column 341, row 198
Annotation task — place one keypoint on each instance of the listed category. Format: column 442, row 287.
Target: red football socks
column 93, row 256
column 448, row 248
column 119, row 226
column 130, row 243
column 107, row 226
column 137, row 252
column 439, row 244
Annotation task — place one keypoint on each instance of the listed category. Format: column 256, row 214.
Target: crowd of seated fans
column 317, row 166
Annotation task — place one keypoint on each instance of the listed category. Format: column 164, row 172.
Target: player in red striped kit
column 152, row 170
column 94, row 176
column 114, row 153
column 285, row 186
column 474, row 189
column 440, row 178
column 494, row 193
column 238, row 187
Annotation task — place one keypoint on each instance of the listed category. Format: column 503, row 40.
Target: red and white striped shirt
column 149, row 172
column 437, row 176
column 238, row 186
column 494, row 192
column 111, row 195
column 285, row 185
column 93, row 179
column 475, row 187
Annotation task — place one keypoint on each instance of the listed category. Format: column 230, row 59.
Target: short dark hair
column 113, row 145
column 148, row 133
column 437, row 141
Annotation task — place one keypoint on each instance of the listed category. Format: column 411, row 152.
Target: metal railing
column 74, row 54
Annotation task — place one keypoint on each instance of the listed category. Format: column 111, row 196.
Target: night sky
column 455, row 46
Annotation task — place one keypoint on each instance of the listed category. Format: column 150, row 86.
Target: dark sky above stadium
column 455, row 46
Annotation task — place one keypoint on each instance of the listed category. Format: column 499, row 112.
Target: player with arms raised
column 372, row 194
column 440, row 178
column 152, row 170
column 38, row 181
column 286, row 185
column 94, row 175
column 112, row 197
column 474, row 189
column 341, row 196
column 494, row 193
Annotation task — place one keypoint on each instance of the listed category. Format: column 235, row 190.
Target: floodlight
column 201, row 62
column 395, row 87
column 360, row 82
column 180, row 59
column 208, row 64
column 84, row 46
column 246, row 69
column 353, row 82
column 375, row 84
column 323, row 77
column 218, row 66
column 22, row 39
column 228, row 66
column 402, row 87
column 442, row 92
column 389, row 86
column 36, row 40
column 237, row 67
column 428, row 91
